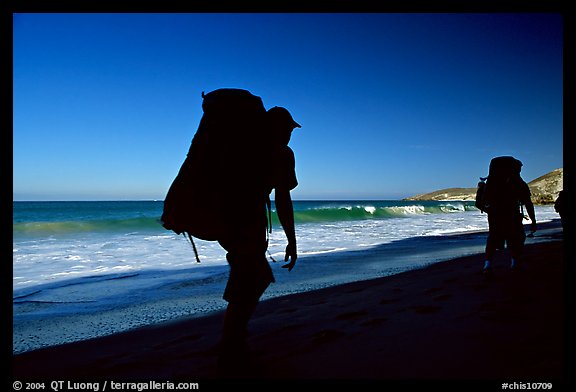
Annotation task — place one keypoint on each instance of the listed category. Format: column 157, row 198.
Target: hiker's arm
column 531, row 214
column 527, row 201
column 285, row 212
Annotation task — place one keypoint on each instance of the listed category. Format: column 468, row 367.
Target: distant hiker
column 502, row 197
column 560, row 207
column 239, row 154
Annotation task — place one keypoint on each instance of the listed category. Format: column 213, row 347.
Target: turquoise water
column 57, row 218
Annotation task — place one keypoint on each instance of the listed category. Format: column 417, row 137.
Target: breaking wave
column 304, row 212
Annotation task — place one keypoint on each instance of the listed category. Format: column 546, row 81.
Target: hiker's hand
column 290, row 255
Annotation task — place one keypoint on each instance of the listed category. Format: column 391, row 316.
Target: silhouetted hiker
column 502, row 198
column 250, row 273
column 560, row 207
column 238, row 155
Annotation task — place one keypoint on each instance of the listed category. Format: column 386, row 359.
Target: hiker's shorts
column 509, row 229
column 250, row 273
column 249, row 278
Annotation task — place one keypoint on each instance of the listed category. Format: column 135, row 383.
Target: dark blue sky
column 391, row 105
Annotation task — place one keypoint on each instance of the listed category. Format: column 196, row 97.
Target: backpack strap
column 269, row 228
column 193, row 247
column 269, row 222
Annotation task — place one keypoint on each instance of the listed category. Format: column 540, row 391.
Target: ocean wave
column 88, row 226
column 304, row 212
column 374, row 211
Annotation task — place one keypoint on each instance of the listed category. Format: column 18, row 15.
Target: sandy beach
column 443, row 322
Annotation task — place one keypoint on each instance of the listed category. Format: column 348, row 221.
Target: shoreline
column 443, row 321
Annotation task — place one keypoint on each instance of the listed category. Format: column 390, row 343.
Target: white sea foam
column 405, row 210
column 370, row 209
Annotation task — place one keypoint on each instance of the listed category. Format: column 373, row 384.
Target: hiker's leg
column 233, row 356
column 515, row 255
column 494, row 240
column 490, row 250
column 250, row 275
column 249, row 278
column 491, row 245
column 236, row 318
column 516, row 244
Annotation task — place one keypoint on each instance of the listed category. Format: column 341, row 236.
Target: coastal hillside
column 544, row 190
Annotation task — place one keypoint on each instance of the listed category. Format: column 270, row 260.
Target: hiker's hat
column 282, row 116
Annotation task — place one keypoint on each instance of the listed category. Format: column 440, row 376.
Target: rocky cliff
column 544, row 190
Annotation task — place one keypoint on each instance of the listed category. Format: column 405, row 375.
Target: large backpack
column 500, row 192
column 222, row 165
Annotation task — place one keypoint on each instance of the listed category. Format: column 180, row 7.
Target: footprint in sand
column 178, row 341
column 326, row 335
column 374, row 322
column 425, row 309
column 287, row 310
column 442, row 297
column 351, row 315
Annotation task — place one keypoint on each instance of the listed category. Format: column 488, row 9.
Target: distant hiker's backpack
column 500, row 191
column 479, row 202
column 221, row 170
